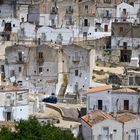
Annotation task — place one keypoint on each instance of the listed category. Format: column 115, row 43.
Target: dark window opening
column 86, row 22
column 86, row 7
column 19, row 83
column 126, row 104
column 76, row 72
column 20, row 58
column 19, row 69
column 40, row 69
column 100, row 104
column 40, row 55
column 125, row 55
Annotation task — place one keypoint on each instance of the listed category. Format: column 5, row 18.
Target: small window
column 19, row 69
column 13, row 25
column 47, row 70
column 40, row 69
column 100, row 104
column 40, row 55
column 8, row 96
column 20, row 56
column 86, row 7
column 76, row 72
column 125, row 44
column 20, row 97
column 19, row 83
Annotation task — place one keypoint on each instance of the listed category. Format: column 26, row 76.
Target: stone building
column 125, row 41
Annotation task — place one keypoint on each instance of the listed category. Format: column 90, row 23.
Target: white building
column 14, row 104
column 77, row 67
column 112, row 101
column 62, row 36
column 125, row 12
column 131, row 126
column 99, row 125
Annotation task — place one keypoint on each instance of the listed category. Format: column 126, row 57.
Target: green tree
column 33, row 130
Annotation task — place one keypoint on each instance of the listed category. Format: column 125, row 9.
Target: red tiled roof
column 100, row 88
column 97, row 116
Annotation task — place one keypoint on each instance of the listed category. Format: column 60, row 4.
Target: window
column 8, row 96
column 76, row 72
column 2, row 68
column 126, row 104
column 134, row 134
column 125, row 44
column 100, row 104
column 20, row 57
column 19, row 83
column 124, row 11
column 105, row 132
column 47, row 70
column 107, row 13
column 40, row 69
column 86, row 22
column 131, row 80
column 20, row 97
column 86, row 7
column 19, row 69
column 13, row 25
column 121, row 29
column 40, row 55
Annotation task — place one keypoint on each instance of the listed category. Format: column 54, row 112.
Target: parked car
column 51, row 99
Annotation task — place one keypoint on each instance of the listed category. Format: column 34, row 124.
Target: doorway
column 126, row 104
column 8, row 116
